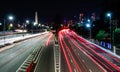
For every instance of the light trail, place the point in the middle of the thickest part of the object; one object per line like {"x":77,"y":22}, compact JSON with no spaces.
{"x":109,"y":55}
{"x":66,"y":58}
{"x":95,"y":47}
{"x":72,"y":57}
{"x":110,"y":63}
{"x":86,"y":53}
{"x":48,"y":41}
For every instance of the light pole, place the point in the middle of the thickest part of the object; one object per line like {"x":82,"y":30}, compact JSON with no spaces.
{"x":39,"y":27}
{"x":88,"y":25}
{"x":35,"y":26}
{"x":109,"y":16}
{"x":10,"y":18}
{"x":4,"y":26}
{"x":27,"y":23}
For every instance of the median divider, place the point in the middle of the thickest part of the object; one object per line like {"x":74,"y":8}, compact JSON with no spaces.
{"x":57,"y":56}
{"x":29,"y":64}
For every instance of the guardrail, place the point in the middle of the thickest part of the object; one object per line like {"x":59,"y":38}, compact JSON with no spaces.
{"x":18,"y":39}
{"x":30,"y":62}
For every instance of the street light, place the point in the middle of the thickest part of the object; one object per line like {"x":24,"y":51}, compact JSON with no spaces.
{"x":4,"y":27}
{"x":109,"y":16}
{"x":11,"y":25}
{"x":0,"y":24}
{"x":10,"y":18}
{"x":88,"y":20}
{"x":35,"y":23}
{"x":39,"y":24}
{"x":88,"y":25}
{"x":27,"y":21}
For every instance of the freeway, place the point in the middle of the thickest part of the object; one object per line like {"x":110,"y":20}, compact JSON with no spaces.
{"x":13,"y":57}
{"x":46,"y":59}
{"x":82,"y":56}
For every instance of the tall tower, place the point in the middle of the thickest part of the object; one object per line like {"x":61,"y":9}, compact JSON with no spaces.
{"x":36,"y":18}
{"x":81,"y":17}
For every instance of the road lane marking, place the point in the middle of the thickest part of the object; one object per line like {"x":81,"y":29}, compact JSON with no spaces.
{"x":68,"y":54}
{"x":71,"y":61}
{"x":74,"y":70}
{"x":83,"y":60}
{"x":90,"y":70}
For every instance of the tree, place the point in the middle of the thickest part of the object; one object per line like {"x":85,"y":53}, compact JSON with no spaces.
{"x":57,"y":23}
{"x":102,"y":35}
{"x":117,"y":37}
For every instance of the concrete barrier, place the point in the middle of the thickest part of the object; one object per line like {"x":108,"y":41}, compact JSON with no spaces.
{"x":30,"y":62}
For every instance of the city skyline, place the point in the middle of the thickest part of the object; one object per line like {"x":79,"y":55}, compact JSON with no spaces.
{"x":48,"y":9}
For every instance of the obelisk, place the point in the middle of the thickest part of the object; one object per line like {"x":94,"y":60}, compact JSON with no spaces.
{"x":36,"y":17}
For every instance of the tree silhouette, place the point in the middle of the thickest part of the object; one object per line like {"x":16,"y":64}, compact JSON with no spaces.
{"x":57,"y":23}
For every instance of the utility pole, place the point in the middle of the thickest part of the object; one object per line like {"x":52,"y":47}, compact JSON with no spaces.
{"x":114,"y":23}
{"x":4,"y":28}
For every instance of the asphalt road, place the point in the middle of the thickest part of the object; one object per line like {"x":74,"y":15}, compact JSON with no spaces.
{"x":77,"y":60}
{"x":82,"y":56}
{"x":12,"y":58}
{"x":77,"y":55}
{"x":46,"y":59}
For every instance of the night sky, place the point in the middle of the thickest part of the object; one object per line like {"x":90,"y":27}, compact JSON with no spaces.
{"x":47,"y":9}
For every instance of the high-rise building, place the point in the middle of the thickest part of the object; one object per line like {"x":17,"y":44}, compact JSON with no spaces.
{"x":93,"y":17}
{"x":81,"y":17}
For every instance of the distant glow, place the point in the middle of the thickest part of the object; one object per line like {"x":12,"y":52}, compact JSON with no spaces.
{"x":11,"y":25}
{"x":51,"y":27}
{"x":43,"y":25}
{"x":27,"y":21}
{"x":35,"y":23}
{"x":78,"y":23}
{"x":81,"y":21}
{"x":25,"y":25}
{"x":10,"y":17}
{"x":93,"y":25}
{"x":104,"y":44}
{"x":65,"y":21}
{"x":88,"y":20}
{"x":61,"y":25}
{"x":19,"y":25}
{"x":108,"y":44}
{"x":0,"y":23}
{"x":39,"y":24}
{"x":109,"y":14}
{"x":101,"y":43}
{"x":88,"y":25}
